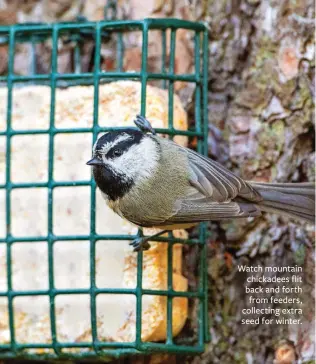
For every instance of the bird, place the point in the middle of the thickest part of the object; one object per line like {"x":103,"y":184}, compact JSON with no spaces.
{"x":153,"y":182}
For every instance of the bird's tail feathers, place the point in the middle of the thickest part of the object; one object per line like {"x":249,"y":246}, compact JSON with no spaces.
{"x":296,"y":200}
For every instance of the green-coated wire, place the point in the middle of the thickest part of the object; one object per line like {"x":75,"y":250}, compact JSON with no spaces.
{"x":37,"y":33}
{"x":163,"y":56}
{"x":139,"y":278}
{"x":50,"y":191}
{"x":170,"y":125}
{"x":113,"y":76}
{"x":150,"y":23}
{"x":8,"y":190}
{"x":120,"y":52}
{"x":93,"y":193}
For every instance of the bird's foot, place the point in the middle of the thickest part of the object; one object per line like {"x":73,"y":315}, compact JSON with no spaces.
{"x":144,"y":125}
{"x":140,"y":244}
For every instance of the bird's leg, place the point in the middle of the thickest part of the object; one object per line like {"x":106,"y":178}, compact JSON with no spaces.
{"x":141,"y":243}
{"x":144,"y":125}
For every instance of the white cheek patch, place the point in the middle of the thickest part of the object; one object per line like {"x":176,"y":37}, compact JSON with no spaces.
{"x":139,"y":161}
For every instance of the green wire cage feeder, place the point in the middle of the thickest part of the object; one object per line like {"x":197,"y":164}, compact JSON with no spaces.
{"x":98,"y":33}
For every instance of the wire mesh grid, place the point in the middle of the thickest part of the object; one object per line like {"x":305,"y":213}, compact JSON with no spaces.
{"x":11,"y":35}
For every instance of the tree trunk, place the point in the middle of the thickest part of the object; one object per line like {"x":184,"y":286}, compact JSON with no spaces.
{"x":261,"y":97}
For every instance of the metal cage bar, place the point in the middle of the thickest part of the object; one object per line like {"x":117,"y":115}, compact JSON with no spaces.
{"x":50,"y":241}
{"x":11,"y":35}
{"x":8,"y":190}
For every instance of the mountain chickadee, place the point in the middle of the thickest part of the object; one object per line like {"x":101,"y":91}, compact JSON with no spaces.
{"x":153,"y":182}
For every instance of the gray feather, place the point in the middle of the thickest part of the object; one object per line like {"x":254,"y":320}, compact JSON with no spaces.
{"x":222,"y":195}
{"x":221,"y":184}
{"x":291,"y":199}
{"x":214,"y":189}
{"x":206,"y":210}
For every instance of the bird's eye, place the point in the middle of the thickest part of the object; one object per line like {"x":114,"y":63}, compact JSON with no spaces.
{"x":117,"y":152}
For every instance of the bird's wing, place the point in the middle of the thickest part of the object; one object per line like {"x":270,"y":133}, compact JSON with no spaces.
{"x":203,"y":209}
{"x":216,"y":182}
{"x":215,"y":193}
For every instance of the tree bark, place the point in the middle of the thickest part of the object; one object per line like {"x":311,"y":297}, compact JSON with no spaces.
{"x":261,"y":98}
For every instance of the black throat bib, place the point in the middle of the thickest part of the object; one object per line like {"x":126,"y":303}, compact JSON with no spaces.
{"x":112,"y":184}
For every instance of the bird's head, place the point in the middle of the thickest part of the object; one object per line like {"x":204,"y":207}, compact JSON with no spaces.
{"x":120,"y":159}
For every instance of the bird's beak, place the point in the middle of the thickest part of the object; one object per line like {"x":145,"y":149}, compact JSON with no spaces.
{"x":94,"y":162}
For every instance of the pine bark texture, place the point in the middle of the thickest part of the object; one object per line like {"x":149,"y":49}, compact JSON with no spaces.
{"x":261,"y":112}
{"x":261,"y":97}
